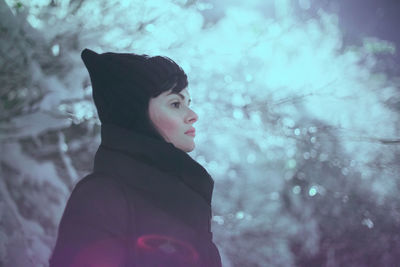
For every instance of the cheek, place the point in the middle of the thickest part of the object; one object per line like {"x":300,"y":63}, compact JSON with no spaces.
{"x":168,"y":124}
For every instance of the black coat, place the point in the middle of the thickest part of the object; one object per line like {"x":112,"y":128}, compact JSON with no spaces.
{"x":146,"y":203}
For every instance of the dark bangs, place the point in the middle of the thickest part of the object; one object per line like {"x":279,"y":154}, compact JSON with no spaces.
{"x":170,"y":75}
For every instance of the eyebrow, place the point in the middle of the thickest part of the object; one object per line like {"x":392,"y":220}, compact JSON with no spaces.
{"x":182,"y":96}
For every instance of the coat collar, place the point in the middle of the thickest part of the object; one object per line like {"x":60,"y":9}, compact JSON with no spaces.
{"x":160,"y":154}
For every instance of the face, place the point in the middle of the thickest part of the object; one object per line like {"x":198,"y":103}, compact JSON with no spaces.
{"x":171,"y":115}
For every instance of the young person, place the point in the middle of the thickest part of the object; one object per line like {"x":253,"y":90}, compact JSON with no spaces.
{"x":146,"y":202}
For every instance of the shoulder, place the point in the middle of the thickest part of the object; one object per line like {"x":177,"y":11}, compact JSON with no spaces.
{"x":98,"y":187}
{"x":98,"y":184}
{"x":94,"y":223}
{"x":96,"y":198}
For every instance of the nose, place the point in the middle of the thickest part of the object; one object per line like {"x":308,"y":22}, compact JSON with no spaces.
{"x":192,"y":117}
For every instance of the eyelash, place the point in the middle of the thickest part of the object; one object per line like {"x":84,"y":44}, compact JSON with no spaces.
{"x":176,"y":103}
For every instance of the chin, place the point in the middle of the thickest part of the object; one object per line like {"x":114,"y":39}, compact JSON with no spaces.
{"x":186,"y":148}
{"x":190,"y":149}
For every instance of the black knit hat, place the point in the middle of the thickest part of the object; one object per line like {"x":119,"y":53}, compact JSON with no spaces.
{"x":123,"y":84}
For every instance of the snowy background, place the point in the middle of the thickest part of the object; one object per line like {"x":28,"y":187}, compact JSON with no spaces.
{"x":299,"y":123}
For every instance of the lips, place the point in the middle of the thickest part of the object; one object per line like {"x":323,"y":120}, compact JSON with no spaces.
{"x":191,"y":131}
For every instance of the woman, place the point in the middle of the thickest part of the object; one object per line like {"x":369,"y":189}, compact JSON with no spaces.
{"x":147,"y":202}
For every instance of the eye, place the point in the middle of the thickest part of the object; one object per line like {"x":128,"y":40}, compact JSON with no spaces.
{"x":174,"y":104}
